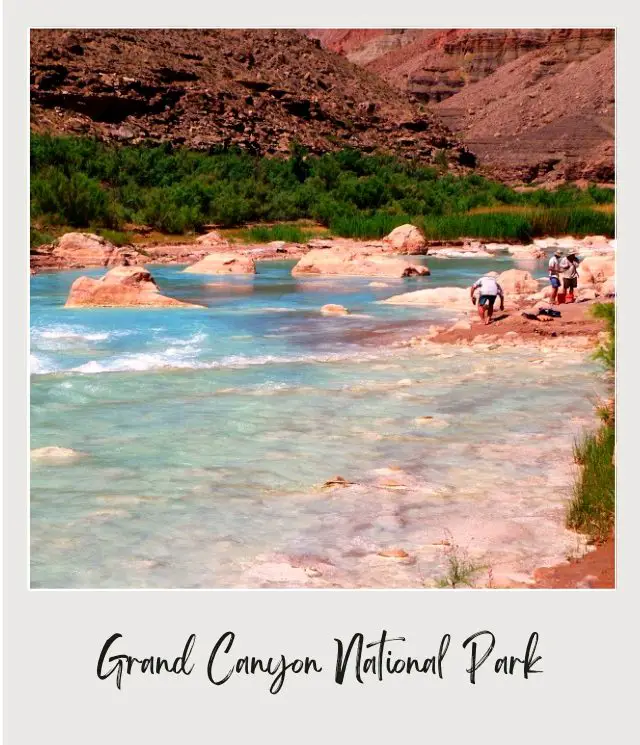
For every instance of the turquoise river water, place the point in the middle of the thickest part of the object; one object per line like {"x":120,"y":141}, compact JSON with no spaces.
{"x":205,"y":435}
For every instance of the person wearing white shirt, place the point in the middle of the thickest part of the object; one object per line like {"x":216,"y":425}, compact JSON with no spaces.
{"x":554,"y":276}
{"x":489,"y":291}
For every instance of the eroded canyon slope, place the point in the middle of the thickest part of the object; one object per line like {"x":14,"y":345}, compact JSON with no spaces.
{"x":533,"y":104}
{"x":257,"y":89}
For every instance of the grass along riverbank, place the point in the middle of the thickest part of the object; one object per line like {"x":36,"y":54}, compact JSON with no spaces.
{"x":82,"y":183}
{"x":592,"y":509}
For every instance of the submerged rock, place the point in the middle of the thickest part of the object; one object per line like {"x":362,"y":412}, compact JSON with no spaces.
{"x":55,"y":453}
{"x":223,"y":263}
{"x":453,"y":253}
{"x":336,"y":481}
{"x":334,"y":310}
{"x":349,"y":262}
{"x":393,"y":553}
{"x":431,"y":422}
{"x":123,"y":286}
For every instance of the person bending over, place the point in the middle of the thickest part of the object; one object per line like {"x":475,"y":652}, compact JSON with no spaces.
{"x":489,"y":291}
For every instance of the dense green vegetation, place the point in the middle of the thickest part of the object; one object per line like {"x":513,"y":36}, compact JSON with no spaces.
{"x":606,"y":353}
{"x":80,"y":182}
{"x":287,"y":233}
{"x":592,"y":509}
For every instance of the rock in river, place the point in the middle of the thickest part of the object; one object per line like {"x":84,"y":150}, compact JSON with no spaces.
{"x":223,"y":263}
{"x":406,"y":238}
{"x":55,"y":454}
{"x":447,"y":297}
{"x":348,"y":262}
{"x":334,"y":310}
{"x":121,"y":287}
{"x":80,"y":250}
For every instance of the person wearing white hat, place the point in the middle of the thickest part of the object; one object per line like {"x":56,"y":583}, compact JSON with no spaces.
{"x":554,"y":275}
{"x":489,"y":290}
{"x":569,"y":271}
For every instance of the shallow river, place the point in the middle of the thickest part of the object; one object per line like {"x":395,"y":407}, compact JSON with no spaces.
{"x":206,"y":434}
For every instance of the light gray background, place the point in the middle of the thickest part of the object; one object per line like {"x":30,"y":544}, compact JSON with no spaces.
{"x":53,"y":638}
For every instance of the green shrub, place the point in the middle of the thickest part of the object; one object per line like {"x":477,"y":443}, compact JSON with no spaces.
{"x":366,"y":226}
{"x":117,"y":237}
{"x":268,"y":233}
{"x":606,"y":352}
{"x":78,"y":181}
{"x":75,"y":200}
{"x":592,"y":509}
{"x":37,"y":238}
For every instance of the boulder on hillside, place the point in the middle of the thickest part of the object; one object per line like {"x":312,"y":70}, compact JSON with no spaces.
{"x":84,"y":250}
{"x":223,"y":263}
{"x":406,"y":238}
{"x":517,"y":282}
{"x":457,"y":298}
{"x":595,"y":270}
{"x":347,"y":262}
{"x":122,"y":286}
{"x":212,"y":238}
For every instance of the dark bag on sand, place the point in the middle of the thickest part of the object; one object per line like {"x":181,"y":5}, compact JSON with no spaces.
{"x":550,"y":312}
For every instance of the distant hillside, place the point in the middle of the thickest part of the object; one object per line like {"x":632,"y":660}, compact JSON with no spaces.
{"x":541,"y":117}
{"x":260,"y":90}
{"x":532,"y":104}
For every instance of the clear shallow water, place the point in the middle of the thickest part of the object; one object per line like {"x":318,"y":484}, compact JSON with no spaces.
{"x":205,"y":435}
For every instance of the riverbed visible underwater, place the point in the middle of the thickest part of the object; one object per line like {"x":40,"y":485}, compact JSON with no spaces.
{"x":204,"y":437}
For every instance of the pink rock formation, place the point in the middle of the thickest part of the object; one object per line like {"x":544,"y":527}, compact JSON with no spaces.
{"x":608,"y":288}
{"x":526,"y":252}
{"x":406,"y":238}
{"x":212,"y":238}
{"x":517,"y":282}
{"x":447,"y":297}
{"x":333,"y":310}
{"x":121,"y":287}
{"x":83,"y":250}
{"x":344,"y":261}
{"x":595,"y":270}
{"x":223,"y":263}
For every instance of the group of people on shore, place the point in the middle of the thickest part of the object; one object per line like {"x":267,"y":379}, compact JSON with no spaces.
{"x":563,"y":268}
{"x":563,"y":275}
